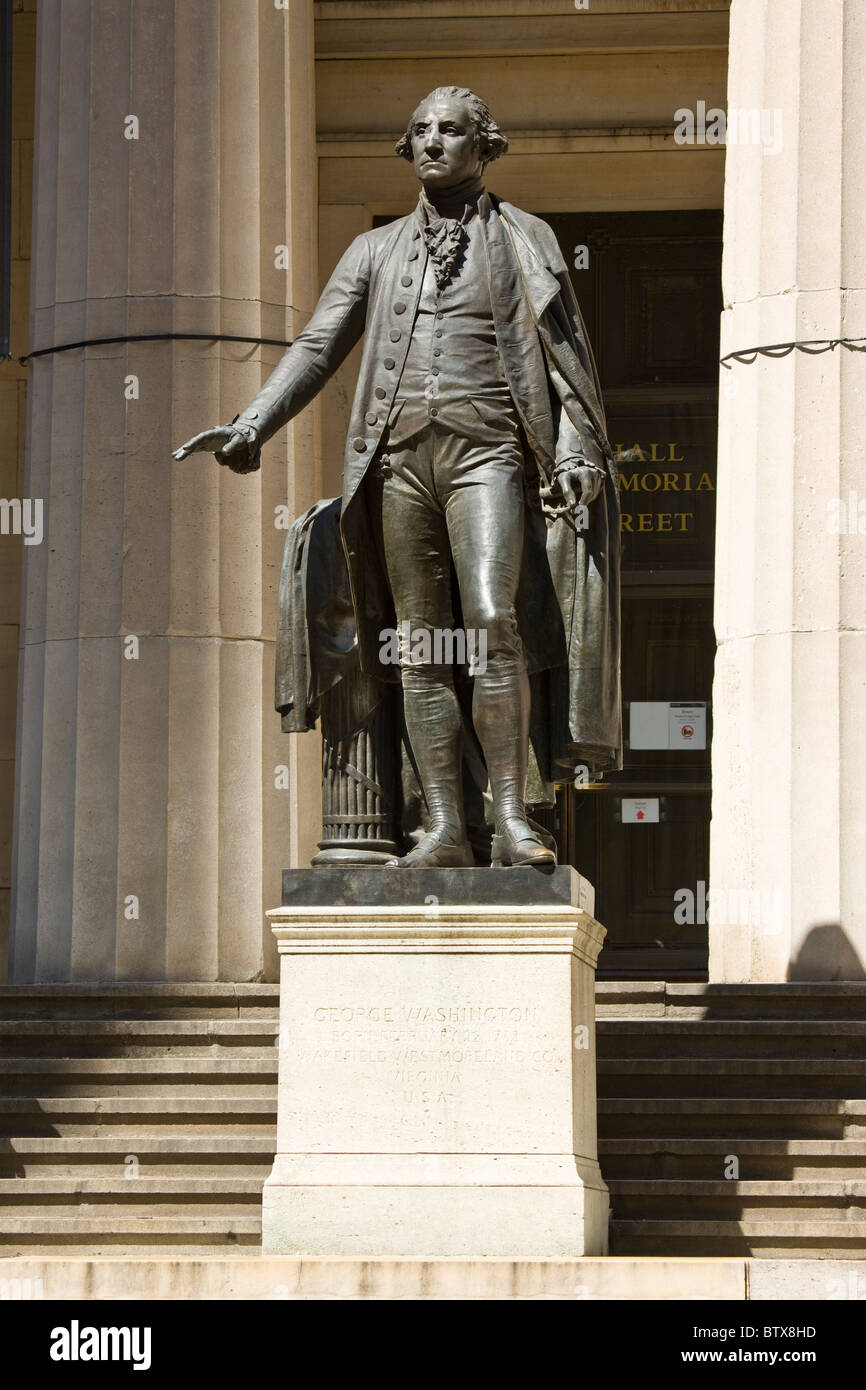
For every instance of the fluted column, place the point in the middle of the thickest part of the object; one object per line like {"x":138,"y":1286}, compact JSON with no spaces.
{"x":788,"y":835}
{"x":150,"y":831}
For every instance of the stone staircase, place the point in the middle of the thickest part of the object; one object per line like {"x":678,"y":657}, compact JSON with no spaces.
{"x":136,"y":1120}
{"x":140,"y":1119}
{"x":732,"y":1119}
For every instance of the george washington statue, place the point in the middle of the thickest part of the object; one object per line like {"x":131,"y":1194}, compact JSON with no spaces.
{"x":479,"y":487}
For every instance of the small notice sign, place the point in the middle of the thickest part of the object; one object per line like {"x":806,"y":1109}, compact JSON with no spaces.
{"x":638,"y":812}
{"x":663,"y":724}
{"x":687,"y":726}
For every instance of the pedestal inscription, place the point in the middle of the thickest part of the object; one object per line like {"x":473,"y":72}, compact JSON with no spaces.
{"x":437,"y":1080}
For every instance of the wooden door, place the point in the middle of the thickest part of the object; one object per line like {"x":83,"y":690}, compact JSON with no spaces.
{"x":649,"y":288}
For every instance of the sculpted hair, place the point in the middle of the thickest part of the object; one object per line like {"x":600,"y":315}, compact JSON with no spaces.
{"x":493,"y":142}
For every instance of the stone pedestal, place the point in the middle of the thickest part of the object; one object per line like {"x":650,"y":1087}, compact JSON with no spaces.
{"x":437,"y":1065}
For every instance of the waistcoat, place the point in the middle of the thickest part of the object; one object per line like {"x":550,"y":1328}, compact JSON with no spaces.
{"x":453,"y":374}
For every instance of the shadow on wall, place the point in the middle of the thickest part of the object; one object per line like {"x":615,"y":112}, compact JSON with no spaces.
{"x":827,"y":954}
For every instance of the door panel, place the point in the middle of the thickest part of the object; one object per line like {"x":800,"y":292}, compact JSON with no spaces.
{"x":650,"y":294}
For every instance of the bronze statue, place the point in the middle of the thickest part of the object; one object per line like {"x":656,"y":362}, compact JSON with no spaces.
{"x":480,"y":493}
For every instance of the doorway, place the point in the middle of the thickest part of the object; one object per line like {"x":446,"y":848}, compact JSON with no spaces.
{"x":649,"y":286}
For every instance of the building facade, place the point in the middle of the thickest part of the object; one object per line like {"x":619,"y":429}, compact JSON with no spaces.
{"x":195,"y":169}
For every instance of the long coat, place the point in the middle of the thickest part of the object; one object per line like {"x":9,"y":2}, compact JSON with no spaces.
{"x":568,"y":600}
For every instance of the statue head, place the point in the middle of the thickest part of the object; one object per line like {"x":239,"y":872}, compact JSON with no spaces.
{"x":450,"y":137}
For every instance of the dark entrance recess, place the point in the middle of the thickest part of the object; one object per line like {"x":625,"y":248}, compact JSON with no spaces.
{"x":651,"y":297}
{"x":5,"y":172}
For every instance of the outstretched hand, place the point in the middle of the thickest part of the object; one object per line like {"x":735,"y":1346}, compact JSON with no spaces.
{"x":228,"y":445}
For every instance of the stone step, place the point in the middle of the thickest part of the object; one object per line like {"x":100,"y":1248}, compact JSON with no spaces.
{"x":794,"y":1000}
{"x":133,"y":1189}
{"x":139,"y":1001}
{"x":232,"y":1037}
{"x":760,"y":1159}
{"x":131,"y":1237}
{"x":778,"y":1037}
{"x":49,"y":1116}
{"x":141,"y":1066}
{"x":801,"y":1077}
{"x":147,"y":1144}
{"x":669,"y":1117}
{"x":653,"y":1199}
{"x":768,"y":1239}
{"x":28,"y":1199}
{"x":163,"y":1249}
{"x":177,"y":1157}
{"x":175,"y":1167}
{"x":101,"y":1076}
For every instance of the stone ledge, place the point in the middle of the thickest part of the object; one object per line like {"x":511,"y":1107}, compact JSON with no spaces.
{"x":282,"y":1277}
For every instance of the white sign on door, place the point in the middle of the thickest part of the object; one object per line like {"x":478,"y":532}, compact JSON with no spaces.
{"x":664,"y":724}
{"x":637,"y":811}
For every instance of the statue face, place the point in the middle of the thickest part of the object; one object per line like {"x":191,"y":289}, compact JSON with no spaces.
{"x":444,"y":144}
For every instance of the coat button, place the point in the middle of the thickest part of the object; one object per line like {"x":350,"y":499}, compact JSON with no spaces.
{"x":413,"y":255}
{"x":433,"y":410}
{"x":399,"y":307}
{"x":434,"y":371}
{"x":380,"y":393}
{"x":406,"y":281}
{"x":389,"y":361}
{"x":371,"y":418}
{"x":395,"y":335}
{"x":438,"y":332}
{"x":359,"y":445}
{"x":437,"y":352}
